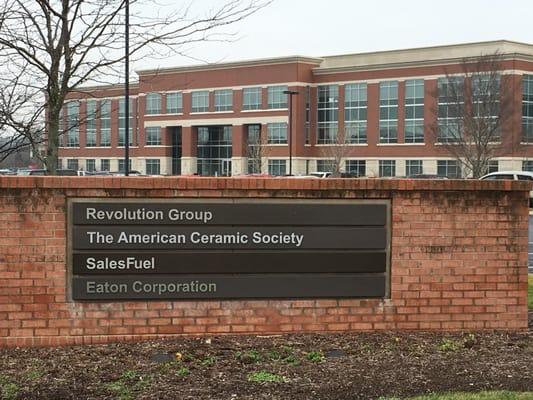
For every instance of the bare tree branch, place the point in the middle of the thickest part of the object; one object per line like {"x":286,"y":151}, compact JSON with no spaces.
{"x":49,"y":48}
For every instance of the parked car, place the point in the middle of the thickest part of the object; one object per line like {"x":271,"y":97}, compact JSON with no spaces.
{"x":42,"y":172}
{"x":321,"y":174}
{"x":426,"y":176}
{"x":513,"y":175}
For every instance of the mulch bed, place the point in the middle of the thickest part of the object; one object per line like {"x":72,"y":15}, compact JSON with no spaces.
{"x":306,"y":366}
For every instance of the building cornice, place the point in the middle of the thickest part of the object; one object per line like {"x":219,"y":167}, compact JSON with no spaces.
{"x":229,"y":65}
{"x":423,"y":57}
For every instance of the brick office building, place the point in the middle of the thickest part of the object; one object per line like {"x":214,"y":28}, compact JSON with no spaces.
{"x":204,"y":119}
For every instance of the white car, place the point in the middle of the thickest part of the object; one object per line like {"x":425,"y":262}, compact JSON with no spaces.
{"x":513,"y":175}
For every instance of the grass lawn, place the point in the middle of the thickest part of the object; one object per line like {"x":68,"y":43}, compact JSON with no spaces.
{"x":479,"y":396}
{"x":530,"y":291}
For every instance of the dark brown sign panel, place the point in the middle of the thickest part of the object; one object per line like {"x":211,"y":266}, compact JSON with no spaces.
{"x":205,"y":249}
{"x":229,"y":287}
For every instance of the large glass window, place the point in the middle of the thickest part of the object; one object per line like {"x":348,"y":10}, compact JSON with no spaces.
{"x":414,"y":111}
{"x":355,"y":167}
{"x":413,"y":167}
{"x":153,"y":103}
{"x":277,"y":167}
{"x":214,"y":150}
{"x":448,"y":168}
{"x":122,"y":122}
{"x":494,"y":166}
{"x":122,"y":164}
{"x":486,"y":105}
{"x":174,"y":103}
{"x":276,"y":97}
{"x":387,"y":168}
{"x":388,"y":112}
{"x":451,"y":108}
{"x":91,"y":123}
{"x":153,"y":166}
{"x":527,"y":165}
{"x":200,"y":101}
{"x":355,"y":112}
{"x":527,"y":108}
{"x":223,"y":100}
{"x":72,"y":163}
{"x":105,"y":123}
{"x":277,"y":133}
{"x":153,"y":135}
{"x":90,"y":165}
{"x":251,"y":98}
{"x":255,"y":149}
{"x":73,"y":124}
{"x":328,"y":114}
{"x":325,"y":165}
{"x":105,"y":164}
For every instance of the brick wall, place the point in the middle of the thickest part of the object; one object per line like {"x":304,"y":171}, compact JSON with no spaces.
{"x":458,"y":262}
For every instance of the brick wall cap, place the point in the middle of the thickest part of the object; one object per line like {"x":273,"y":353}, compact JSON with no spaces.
{"x":268,"y":183}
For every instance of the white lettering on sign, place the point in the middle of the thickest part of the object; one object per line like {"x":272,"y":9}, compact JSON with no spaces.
{"x":182,"y":215}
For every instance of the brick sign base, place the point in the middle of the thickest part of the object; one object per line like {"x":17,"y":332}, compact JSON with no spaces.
{"x":458,"y":261}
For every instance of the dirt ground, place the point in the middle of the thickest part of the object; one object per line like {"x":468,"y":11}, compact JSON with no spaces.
{"x":307,"y":366}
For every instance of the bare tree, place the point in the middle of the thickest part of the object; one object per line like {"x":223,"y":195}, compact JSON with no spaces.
{"x":336,"y":154}
{"x":50,"y":48}
{"x":472,"y":108}
{"x":257,"y":151}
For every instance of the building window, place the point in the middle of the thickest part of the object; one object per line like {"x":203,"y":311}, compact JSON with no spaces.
{"x":494,"y":166}
{"x":214,"y":150}
{"x":277,"y":133}
{"x":276,"y":97}
{"x":174,"y":103}
{"x":122,"y":164}
{"x":105,"y":123}
{"x":122,"y":123}
{"x":355,"y":167}
{"x":72,"y":163}
{"x":307,"y":115}
{"x":153,"y":136}
{"x":277,"y":167}
{"x":451,"y":107}
{"x":486,"y":105}
{"x":413,"y":167}
{"x":90,"y":165}
{"x":388,"y":112}
{"x":355,"y":112}
{"x":414,"y":111}
{"x":527,"y":165}
{"x":527,"y":108}
{"x":153,"y":167}
{"x":251,"y":98}
{"x":91,"y":123}
{"x":104,"y":164}
{"x":325,"y":165}
{"x":224,"y":100}
{"x":387,"y":168}
{"x":328,"y":114}
{"x":73,"y":124}
{"x":200,"y":101}
{"x":255,"y":149}
{"x":448,"y":168}
{"x":153,"y":103}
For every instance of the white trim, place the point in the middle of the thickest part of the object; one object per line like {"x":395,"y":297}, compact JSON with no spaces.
{"x":219,"y":121}
{"x":235,"y":88}
{"x":400,"y":144}
{"x":156,"y":146}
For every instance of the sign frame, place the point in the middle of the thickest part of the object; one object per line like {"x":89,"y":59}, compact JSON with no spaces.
{"x":224,"y":200}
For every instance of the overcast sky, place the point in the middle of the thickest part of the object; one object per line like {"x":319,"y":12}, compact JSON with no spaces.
{"x":328,"y":27}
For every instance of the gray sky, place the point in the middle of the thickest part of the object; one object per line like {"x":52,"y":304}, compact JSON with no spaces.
{"x":327,"y":27}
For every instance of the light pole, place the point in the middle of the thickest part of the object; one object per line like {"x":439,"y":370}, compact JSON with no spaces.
{"x":290,"y":93}
{"x":127,"y":93}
